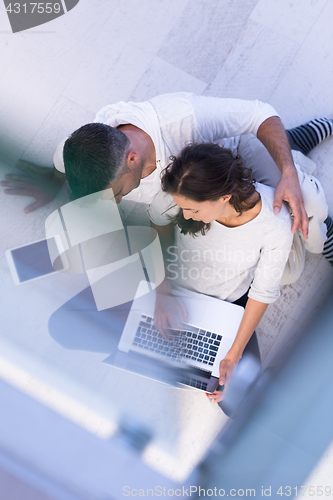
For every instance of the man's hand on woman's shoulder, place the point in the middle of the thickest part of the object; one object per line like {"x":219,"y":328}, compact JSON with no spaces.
{"x":288,"y":189}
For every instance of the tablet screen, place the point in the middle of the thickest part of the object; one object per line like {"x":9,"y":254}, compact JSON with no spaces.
{"x":33,"y":261}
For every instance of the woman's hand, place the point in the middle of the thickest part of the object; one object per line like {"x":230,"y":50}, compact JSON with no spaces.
{"x":253,"y":313}
{"x":227,"y":366}
{"x":169,"y":311}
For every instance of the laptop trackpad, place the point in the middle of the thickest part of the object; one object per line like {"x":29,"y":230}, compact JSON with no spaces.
{"x":195,"y":310}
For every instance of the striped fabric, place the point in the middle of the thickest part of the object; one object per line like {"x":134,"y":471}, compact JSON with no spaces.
{"x":328,"y":246}
{"x":307,"y":136}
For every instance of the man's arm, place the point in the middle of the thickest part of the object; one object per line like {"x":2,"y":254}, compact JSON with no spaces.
{"x":219,"y":118}
{"x":41,"y":183}
{"x":273,"y":136}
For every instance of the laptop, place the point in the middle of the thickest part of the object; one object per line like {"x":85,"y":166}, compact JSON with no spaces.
{"x":193,"y":351}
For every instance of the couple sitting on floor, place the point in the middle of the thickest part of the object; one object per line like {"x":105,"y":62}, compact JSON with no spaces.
{"x":129,"y":146}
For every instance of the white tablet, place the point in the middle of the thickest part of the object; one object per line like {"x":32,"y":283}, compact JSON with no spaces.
{"x":32,"y":261}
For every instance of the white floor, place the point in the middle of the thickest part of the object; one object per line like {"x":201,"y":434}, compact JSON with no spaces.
{"x":55,"y":77}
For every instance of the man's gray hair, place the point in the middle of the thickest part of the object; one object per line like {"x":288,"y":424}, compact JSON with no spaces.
{"x":94,"y":156}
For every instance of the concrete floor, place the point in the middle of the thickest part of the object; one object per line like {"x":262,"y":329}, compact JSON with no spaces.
{"x":55,"y":77}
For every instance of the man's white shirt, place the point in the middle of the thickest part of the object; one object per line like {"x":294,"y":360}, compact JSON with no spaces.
{"x":175,"y":120}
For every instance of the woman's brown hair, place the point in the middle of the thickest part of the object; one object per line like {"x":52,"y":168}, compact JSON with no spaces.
{"x":206,"y":172}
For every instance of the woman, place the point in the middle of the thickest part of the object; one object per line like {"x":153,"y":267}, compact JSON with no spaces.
{"x":229,"y":243}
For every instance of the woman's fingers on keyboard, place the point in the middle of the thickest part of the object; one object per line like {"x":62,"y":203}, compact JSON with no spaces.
{"x":168,"y":313}
{"x":162,"y":324}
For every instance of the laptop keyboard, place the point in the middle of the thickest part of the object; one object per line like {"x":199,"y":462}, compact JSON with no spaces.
{"x":193,"y":382}
{"x":195,"y":344}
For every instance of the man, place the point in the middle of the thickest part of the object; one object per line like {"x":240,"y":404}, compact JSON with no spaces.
{"x":162,"y":126}
{"x":130,"y":143}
